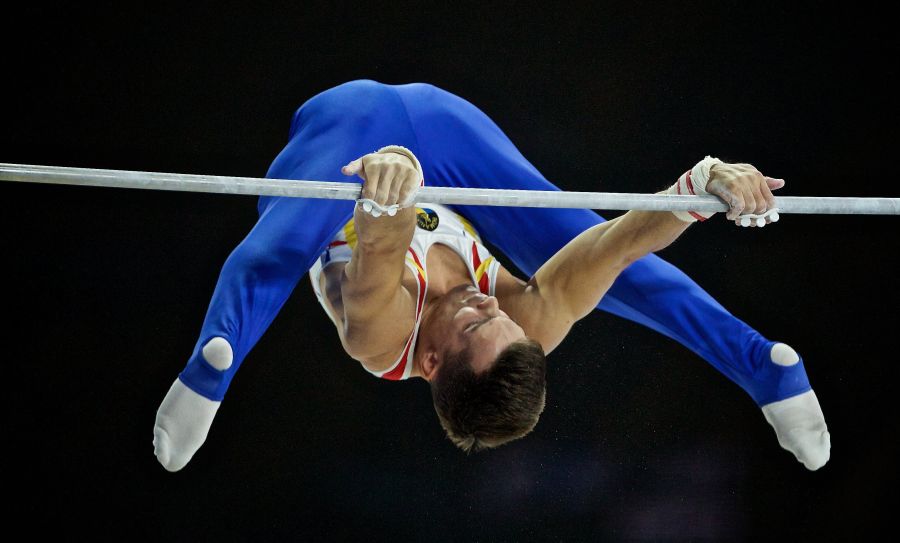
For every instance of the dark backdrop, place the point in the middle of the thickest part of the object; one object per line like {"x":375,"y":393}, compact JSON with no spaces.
{"x":106,"y":288}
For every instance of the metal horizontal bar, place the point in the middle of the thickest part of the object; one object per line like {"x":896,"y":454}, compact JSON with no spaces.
{"x":439,"y":195}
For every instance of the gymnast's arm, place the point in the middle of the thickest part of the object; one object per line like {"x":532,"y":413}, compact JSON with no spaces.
{"x":571,"y":283}
{"x":378,"y":311}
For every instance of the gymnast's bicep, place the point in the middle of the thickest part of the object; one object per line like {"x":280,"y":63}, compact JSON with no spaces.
{"x":540,"y":319}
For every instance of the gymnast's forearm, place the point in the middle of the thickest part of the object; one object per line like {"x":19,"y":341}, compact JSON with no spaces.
{"x":650,"y":231}
{"x":384,"y":234}
{"x":575,"y":279}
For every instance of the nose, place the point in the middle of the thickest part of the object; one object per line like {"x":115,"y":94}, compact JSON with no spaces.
{"x":489,"y":302}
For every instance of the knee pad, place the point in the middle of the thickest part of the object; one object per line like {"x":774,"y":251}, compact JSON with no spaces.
{"x":780,"y":375}
{"x":218,"y":353}
{"x":783,"y":355}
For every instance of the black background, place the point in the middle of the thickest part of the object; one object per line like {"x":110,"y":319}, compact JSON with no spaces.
{"x":106,"y":288}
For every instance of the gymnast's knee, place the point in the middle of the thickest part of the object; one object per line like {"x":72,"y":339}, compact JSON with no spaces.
{"x":218,"y":353}
{"x":784,"y":355}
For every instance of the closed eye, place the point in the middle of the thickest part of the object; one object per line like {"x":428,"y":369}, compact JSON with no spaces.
{"x":476,"y":324}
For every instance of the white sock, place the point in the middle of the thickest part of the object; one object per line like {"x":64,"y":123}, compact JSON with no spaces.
{"x":184,"y":417}
{"x":798,"y":421}
{"x":182,"y":423}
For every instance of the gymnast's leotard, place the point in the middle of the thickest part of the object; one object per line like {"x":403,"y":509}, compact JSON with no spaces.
{"x":434,"y":224}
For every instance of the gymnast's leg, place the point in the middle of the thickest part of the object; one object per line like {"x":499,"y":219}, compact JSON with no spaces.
{"x":460,"y":146}
{"x":327,"y":131}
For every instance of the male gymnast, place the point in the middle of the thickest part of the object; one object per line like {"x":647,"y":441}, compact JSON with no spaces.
{"x":414,"y":293}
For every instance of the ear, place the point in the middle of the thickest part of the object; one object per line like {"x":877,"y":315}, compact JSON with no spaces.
{"x":430,"y":364}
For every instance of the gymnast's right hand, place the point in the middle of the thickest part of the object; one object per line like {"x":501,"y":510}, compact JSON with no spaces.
{"x":392,"y":176}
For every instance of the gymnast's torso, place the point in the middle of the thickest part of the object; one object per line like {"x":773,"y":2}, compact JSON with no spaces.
{"x":444,"y":246}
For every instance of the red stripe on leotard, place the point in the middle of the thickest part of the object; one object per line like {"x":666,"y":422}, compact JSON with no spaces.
{"x":483,"y":283}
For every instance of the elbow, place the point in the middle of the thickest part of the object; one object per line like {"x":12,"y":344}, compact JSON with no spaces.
{"x":353,"y":345}
{"x":630,"y":259}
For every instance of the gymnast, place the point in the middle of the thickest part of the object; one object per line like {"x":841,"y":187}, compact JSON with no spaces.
{"x":413,"y":292}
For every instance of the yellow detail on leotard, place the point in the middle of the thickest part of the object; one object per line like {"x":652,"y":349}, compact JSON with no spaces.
{"x":468,"y":226}
{"x":482,"y":268}
{"x":416,"y":264}
{"x":350,"y":234}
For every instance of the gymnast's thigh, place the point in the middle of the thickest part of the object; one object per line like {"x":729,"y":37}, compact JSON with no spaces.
{"x":462,"y":147}
{"x":329,"y":130}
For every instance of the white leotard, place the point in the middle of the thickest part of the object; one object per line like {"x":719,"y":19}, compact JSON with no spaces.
{"x":435,"y":223}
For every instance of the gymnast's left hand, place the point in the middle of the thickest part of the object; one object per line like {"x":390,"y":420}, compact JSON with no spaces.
{"x":744,"y":189}
{"x":389,"y":178}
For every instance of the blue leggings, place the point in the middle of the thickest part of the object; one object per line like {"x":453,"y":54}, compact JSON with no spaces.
{"x":458,"y":146}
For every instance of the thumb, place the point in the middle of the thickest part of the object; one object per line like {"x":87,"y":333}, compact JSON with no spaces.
{"x":774,"y":183}
{"x":352,"y":167}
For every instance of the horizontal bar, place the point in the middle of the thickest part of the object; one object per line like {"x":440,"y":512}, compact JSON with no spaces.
{"x":439,"y":195}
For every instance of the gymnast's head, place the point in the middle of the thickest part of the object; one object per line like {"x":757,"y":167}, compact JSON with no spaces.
{"x":487,"y":377}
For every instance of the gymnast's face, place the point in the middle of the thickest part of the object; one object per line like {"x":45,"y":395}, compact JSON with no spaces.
{"x":464,"y":316}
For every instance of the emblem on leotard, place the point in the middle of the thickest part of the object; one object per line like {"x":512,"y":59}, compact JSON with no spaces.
{"x":427,"y":219}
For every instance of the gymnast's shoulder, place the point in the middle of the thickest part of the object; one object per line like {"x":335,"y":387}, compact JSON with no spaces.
{"x":525,"y":303}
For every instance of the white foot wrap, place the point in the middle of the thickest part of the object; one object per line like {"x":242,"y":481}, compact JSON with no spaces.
{"x":182,"y":423}
{"x":800,"y":426}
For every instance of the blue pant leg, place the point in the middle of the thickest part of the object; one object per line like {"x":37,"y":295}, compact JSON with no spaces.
{"x":327,"y":131}
{"x":462,"y":147}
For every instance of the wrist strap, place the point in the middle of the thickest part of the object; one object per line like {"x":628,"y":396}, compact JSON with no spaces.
{"x":693,"y":182}
{"x":404,"y":151}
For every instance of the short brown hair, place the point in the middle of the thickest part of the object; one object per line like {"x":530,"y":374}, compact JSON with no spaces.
{"x":485,"y":410}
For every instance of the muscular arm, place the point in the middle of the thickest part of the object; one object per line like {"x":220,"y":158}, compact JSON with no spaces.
{"x":581,"y":272}
{"x":375,"y":303}
{"x":378,"y":311}
{"x":571,"y":283}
